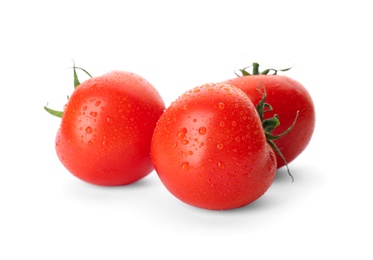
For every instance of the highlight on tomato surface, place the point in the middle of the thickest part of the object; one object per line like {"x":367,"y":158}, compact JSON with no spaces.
{"x":212,"y":147}
{"x":288,"y":98}
{"x":106,"y":128}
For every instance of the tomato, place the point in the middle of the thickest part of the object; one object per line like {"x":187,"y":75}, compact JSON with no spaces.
{"x":210,"y":150}
{"x":287,"y":98}
{"x":106,"y":129}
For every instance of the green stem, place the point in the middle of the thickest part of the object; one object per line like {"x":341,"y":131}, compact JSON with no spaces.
{"x":256,"y":69}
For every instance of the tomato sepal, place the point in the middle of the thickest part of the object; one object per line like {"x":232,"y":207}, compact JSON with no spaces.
{"x":270,"y":124}
{"x":76,"y":79}
{"x":53,"y":112}
{"x":255,"y":70}
{"x":58,"y":113}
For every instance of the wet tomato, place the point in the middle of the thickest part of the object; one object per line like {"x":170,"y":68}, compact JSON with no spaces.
{"x":288,"y":98}
{"x":209,"y":149}
{"x":106,"y":129}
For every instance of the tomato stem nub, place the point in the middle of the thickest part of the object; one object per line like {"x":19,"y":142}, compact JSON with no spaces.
{"x":256,"y":68}
{"x":270,"y":124}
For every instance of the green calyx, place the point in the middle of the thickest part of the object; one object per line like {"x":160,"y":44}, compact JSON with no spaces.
{"x":255,"y":71}
{"x":270,"y":124}
{"x":58,"y":113}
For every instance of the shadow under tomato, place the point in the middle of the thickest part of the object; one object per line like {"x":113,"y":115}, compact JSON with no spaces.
{"x":302,"y":174}
{"x":79,"y":189}
{"x":284,"y":190}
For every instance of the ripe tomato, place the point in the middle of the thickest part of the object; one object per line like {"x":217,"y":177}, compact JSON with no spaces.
{"x":287,"y":97}
{"x":210,"y":150}
{"x":106,"y":129}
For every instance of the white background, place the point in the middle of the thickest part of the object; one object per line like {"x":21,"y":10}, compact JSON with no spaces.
{"x":46,"y":213}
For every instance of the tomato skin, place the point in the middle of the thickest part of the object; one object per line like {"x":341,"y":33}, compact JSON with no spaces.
{"x":105,"y":132}
{"x":286,"y":96}
{"x":210,"y":151}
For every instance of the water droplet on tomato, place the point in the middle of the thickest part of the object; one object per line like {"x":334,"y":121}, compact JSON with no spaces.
{"x":90,"y":143}
{"x":108,"y":119}
{"x":181,"y":133}
{"x":97,"y":103}
{"x":202,"y":130}
{"x":84,"y":108}
{"x":89,"y":130}
{"x":221,"y":165}
{"x":185,"y":107}
{"x":185,"y":165}
{"x":220,"y":146}
{"x":94,"y":114}
{"x":221,"y":105}
{"x":222,"y":124}
{"x":190,"y":153}
{"x":185,"y":142}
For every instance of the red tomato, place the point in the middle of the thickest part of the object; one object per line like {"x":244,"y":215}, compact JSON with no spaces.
{"x":106,"y":129}
{"x":210,"y":150}
{"x":287,"y":97}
